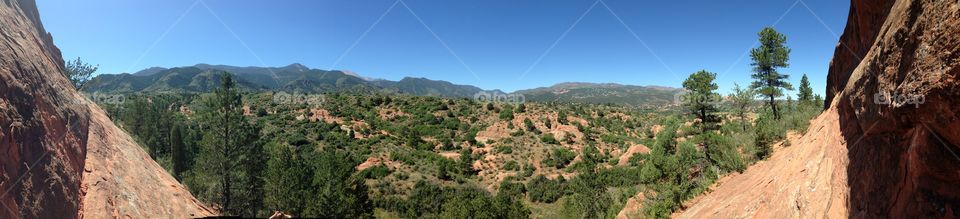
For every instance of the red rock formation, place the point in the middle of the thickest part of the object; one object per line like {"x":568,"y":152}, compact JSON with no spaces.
{"x":903,"y":155}
{"x":50,"y":134}
{"x":868,"y":156}
{"x":861,"y":31}
{"x":43,"y":130}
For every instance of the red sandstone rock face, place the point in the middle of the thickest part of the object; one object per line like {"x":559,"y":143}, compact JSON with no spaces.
{"x":866,"y":158}
{"x":903,"y":156}
{"x":120,"y":180}
{"x":43,"y":131}
{"x":861,"y":31}
{"x":60,"y":157}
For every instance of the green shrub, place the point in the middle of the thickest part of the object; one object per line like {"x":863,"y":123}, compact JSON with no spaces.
{"x":506,"y":113}
{"x":721,"y":152}
{"x":402,"y":157}
{"x":511,"y":165}
{"x":541,"y":189}
{"x":527,"y":170}
{"x":548,"y":139}
{"x":559,"y":158}
{"x":768,"y":131}
{"x":504,"y":149}
{"x":529,"y":126}
{"x":589,"y":199}
{"x":375,"y":172}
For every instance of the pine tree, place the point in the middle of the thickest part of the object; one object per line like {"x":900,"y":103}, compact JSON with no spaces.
{"x":229,"y":150}
{"x":288,"y":180}
{"x":339,"y":192}
{"x":701,"y":97}
{"x":178,"y":150}
{"x":742,"y":99}
{"x":767,"y":58}
{"x":79,"y":72}
{"x":817,"y":99}
{"x":805,"y":95}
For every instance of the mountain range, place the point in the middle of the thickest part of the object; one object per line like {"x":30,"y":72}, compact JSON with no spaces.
{"x":299,"y":78}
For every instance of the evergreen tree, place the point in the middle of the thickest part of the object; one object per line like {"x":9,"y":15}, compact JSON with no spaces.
{"x":339,"y":193}
{"x":178,"y":150}
{"x":288,"y":177}
{"x":767,"y":58}
{"x":817,"y":99}
{"x":229,"y":150}
{"x":805,"y":96}
{"x":702,"y":97}
{"x":742,"y":99}
{"x":590,"y":198}
{"x":79,"y":72}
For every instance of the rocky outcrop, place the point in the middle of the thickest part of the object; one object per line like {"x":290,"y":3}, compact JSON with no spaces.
{"x":858,"y":36}
{"x":120,"y":180}
{"x":887,"y":144}
{"x":60,"y":157}
{"x":43,"y":130}
{"x":806,"y":180}
{"x":900,"y":110}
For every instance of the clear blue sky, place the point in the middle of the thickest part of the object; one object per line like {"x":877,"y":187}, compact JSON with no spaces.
{"x":496,"y":40}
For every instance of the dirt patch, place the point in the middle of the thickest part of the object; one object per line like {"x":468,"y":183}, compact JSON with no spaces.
{"x":634,"y":149}
{"x":370,"y":162}
{"x":631,"y":209}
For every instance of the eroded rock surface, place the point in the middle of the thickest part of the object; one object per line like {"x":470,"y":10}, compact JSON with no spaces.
{"x":60,"y":156}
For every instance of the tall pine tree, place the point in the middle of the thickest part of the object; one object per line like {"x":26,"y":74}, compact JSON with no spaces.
{"x":288,"y":179}
{"x":702,"y":97}
{"x":230,"y":152}
{"x":805,"y":95}
{"x":767,"y":58}
{"x":179,"y":151}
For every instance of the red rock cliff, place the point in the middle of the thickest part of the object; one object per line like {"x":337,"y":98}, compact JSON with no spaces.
{"x":60,"y":157}
{"x":900,"y":109}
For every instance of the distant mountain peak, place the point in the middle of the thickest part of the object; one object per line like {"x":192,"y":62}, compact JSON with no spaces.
{"x":297,"y":67}
{"x":149,"y":71}
{"x":352,"y":73}
{"x":569,"y":85}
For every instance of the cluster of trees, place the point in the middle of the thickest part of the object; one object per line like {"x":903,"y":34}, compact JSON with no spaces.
{"x":219,"y":153}
{"x":428,"y":200}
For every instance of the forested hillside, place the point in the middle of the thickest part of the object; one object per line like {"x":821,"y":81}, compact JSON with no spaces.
{"x":386,"y":155}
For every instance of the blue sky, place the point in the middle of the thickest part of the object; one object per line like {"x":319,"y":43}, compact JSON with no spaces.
{"x":492,"y":44}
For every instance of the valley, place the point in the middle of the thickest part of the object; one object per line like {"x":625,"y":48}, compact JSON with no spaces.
{"x":762,"y":137}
